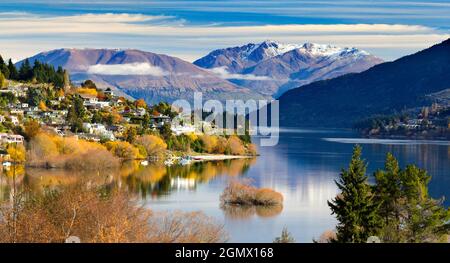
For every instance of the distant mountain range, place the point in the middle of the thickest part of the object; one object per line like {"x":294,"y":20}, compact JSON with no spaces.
{"x":410,"y":82}
{"x":140,"y":74}
{"x":272,"y":68}
{"x":255,"y":71}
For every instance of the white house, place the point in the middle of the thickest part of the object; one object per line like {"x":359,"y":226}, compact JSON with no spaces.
{"x":11,"y":138}
{"x":16,"y":111}
{"x":184,"y":129}
{"x":94,"y":128}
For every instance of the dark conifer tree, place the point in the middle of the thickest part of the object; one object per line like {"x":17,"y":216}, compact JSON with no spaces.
{"x":388,"y":193}
{"x":25,"y":71}
{"x":354,"y":207}
{"x":13,"y":74}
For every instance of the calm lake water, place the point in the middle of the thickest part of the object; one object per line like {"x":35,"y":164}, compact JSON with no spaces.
{"x":302,"y":167}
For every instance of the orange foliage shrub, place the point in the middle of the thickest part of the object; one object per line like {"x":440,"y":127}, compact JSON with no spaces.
{"x":327,"y":236}
{"x":244,"y":194}
{"x":185,"y":227}
{"x":252,"y":150}
{"x":209,"y":143}
{"x":266,"y":196}
{"x":97,"y":216}
{"x":140,"y":103}
{"x":152,"y":144}
{"x":78,"y":211}
{"x":93,"y":159}
{"x":235,"y":146}
{"x":123,"y":150}
{"x":48,"y":150}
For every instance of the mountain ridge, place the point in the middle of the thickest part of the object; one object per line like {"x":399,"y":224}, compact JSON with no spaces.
{"x":142,"y":74}
{"x":386,"y":88}
{"x":285,"y":65}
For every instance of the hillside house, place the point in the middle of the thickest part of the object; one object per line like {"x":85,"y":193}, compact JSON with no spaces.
{"x":11,"y":138}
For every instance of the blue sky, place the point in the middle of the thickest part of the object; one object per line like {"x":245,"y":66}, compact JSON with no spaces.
{"x":190,"y":29}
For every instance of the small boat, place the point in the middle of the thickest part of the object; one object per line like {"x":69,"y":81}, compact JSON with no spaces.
{"x":144,"y":163}
{"x":185,"y":160}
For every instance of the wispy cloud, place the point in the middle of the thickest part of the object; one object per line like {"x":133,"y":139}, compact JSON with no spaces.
{"x":222,"y":72}
{"x":127,"y":69}
{"x":173,"y":36}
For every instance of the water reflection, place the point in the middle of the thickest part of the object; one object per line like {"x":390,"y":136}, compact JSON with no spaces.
{"x":303,"y":167}
{"x":247,"y":212}
{"x":150,"y":181}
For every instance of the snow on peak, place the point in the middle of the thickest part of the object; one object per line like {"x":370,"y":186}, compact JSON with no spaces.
{"x":273,"y":48}
{"x":320,"y":50}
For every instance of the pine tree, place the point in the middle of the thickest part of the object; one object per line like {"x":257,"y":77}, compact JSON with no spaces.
{"x":12,"y":70}
{"x":25,"y":71}
{"x":424,"y":219}
{"x":388,"y":192}
{"x":354,"y":207}
{"x":285,"y":237}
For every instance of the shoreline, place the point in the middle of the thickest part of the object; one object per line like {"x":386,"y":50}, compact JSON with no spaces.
{"x":219,"y":157}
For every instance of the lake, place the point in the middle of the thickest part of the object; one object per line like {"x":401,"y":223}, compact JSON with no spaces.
{"x":303,"y":167}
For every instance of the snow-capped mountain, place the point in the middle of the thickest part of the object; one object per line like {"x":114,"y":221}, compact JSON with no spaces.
{"x":271,"y":68}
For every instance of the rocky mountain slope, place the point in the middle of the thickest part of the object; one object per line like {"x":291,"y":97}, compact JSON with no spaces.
{"x":272,"y":68}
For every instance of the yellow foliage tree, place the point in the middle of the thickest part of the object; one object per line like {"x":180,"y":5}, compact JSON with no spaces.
{"x":235,"y":146}
{"x":43,"y":145}
{"x":16,"y":153}
{"x":42,"y":106}
{"x":123,"y":150}
{"x":60,"y":93}
{"x":153,"y":145}
{"x":32,"y":128}
{"x":140,"y":103}
{"x":87,"y":91}
{"x":2,"y":81}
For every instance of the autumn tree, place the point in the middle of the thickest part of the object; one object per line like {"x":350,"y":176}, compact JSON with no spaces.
{"x":130,"y":134}
{"x":31,"y":128}
{"x":140,"y":103}
{"x":16,"y":152}
{"x":123,"y":150}
{"x":2,"y":81}
{"x":42,"y":106}
{"x":235,"y":146}
{"x":152,"y":144}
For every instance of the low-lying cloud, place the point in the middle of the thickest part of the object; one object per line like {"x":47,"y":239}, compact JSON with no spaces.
{"x":127,"y":69}
{"x":222,"y":72}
